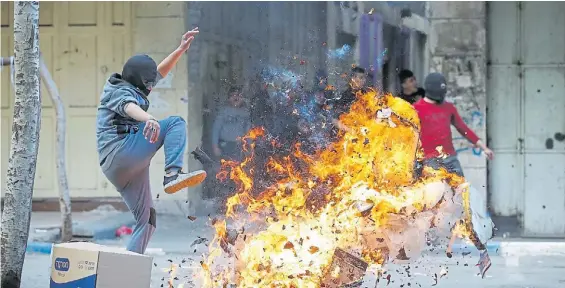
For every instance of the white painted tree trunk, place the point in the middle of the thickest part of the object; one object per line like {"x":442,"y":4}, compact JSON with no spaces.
{"x":24,"y":143}
{"x":64,"y":197}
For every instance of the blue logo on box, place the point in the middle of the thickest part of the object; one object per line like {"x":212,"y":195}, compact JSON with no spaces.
{"x":62,"y":264}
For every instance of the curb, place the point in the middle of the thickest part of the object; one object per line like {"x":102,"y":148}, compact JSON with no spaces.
{"x":493,"y":248}
{"x":39,"y":247}
{"x":46,"y":247}
{"x":105,"y":228}
{"x":519,"y":248}
{"x":515,"y":248}
{"x":505,"y":249}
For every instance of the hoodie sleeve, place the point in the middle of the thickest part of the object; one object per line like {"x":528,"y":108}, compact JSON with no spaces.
{"x":118,"y":101}
{"x":217,"y":127}
{"x":159,"y":78}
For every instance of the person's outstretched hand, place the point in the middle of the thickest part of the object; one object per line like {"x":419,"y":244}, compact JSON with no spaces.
{"x":489,"y":153}
{"x":151,"y":130}
{"x":187,"y":39}
{"x":486,"y":150}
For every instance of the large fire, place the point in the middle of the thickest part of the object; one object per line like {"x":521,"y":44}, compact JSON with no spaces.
{"x":289,"y":228}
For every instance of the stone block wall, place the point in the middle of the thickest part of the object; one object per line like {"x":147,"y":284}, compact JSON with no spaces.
{"x":157,"y":31}
{"x":458,"y":49}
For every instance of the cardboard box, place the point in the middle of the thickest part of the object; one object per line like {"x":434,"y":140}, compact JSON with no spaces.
{"x":89,"y":265}
{"x":349,"y":269}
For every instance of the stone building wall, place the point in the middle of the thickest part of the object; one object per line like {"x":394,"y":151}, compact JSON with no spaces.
{"x":458,"y":49}
{"x":157,"y":30}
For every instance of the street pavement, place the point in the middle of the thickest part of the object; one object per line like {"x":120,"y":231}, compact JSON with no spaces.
{"x":514,"y":272}
{"x":535,"y":264}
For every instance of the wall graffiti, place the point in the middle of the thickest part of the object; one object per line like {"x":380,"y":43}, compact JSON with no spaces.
{"x":347,"y":16}
{"x":461,"y":144}
{"x":475,"y":150}
{"x":347,"y":5}
{"x":476,"y":119}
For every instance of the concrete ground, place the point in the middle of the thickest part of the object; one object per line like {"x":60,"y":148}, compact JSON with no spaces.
{"x":537,"y":264}
{"x":520,"y":272}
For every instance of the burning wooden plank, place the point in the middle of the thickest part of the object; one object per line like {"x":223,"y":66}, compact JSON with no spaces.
{"x":344,"y":271}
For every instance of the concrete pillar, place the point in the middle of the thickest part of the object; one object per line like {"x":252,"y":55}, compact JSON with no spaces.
{"x":457,"y":44}
{"x":194,"y":101}
{"x":158,"y":28}
{"x":331,"y":37}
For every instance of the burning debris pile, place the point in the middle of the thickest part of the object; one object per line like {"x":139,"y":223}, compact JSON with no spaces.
{"x":358,"y":199}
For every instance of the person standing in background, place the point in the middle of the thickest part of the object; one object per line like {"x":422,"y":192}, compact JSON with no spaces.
{"x":436,"y":117}
{"x":233,"y":121}
{"x":410,"y":91}
{"x":340,"y":106}
{"x":357,"y":83}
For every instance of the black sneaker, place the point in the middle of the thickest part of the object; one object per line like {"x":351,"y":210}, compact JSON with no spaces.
{"x":202,"y":156}
{"x":182,"y":180}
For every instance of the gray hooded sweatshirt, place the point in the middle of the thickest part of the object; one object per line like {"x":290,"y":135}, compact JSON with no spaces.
{"x":138,"y":77}
{"x":116,"y":94}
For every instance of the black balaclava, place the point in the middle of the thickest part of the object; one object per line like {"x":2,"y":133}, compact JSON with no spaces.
{"x":141,"y":72}
{"x":436,"y":87}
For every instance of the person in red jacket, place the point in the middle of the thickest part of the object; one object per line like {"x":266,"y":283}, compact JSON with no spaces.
{"x":436,"y":117}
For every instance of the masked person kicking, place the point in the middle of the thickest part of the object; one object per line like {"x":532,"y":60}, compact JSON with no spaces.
{"x":436,"y":117}
{"x":128,"y":137}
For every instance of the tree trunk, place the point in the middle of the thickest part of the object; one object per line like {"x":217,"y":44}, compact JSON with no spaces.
{"x":64,"y":197}
{"x":24,"y":143}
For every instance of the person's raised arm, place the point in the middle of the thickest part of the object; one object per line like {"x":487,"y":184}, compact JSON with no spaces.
{"x":135,"y":112}
{"x":170,"y":61}
{"x":466,"y":132}
{"x":152,"y":128}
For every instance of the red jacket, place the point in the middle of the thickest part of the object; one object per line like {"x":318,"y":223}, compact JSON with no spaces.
{"x":436,"y":121}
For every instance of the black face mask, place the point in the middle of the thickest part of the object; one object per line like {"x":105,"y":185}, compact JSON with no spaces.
{"x":438,"y":96}
{"x":436,"y":87}
{"x":141,"y":72}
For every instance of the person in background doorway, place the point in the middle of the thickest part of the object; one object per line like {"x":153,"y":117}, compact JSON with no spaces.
{"x":357,"y":84}
{"x":340,"y":106}
{"x":233,"y":121}
{"x":410,"y":91}
{"x":436,"y":117}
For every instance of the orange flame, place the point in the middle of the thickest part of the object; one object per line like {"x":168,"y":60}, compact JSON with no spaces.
{"x":307,"y":211}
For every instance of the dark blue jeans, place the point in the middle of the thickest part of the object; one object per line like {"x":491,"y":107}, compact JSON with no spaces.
{"x":451,"y":164}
